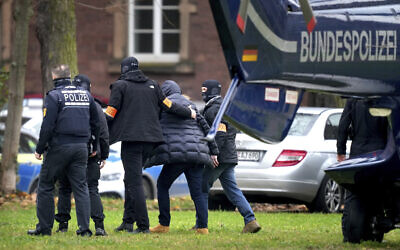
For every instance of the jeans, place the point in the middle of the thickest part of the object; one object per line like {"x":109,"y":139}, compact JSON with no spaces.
{"x":226,"y":175}
{"x":133,"y":156}
{"x":168,"y":175}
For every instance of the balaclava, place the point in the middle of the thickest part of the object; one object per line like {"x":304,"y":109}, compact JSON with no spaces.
{"x":210,"y":89}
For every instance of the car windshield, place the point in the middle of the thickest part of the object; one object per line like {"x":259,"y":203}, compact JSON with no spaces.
{"x":302,"y":124}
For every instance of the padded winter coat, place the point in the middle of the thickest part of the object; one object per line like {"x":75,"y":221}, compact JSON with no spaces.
{"x":183,"y":137}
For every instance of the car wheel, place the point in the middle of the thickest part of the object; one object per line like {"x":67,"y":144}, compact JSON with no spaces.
{"x":220,"y":202}
{"x":213,"y":204}
{"x":34,"y":187}
{"x":357,"y":223}
{"x":329,"y":199}
{"x":148,"y":191}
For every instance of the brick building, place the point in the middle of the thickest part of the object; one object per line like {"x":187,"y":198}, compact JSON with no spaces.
{"x":173,"y":39}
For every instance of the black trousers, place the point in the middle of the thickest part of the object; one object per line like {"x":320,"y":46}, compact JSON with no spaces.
{"x":70,"y":159}
{"x":64,"y":195}
{"x":133,"y":156}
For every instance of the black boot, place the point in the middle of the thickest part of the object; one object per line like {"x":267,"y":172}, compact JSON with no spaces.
{"x":125,"y":227}
{"x":37,"y":232}
{"x":141,"y":231}
{"x":99,"y":226}
{"x":84,"y":233}
{"x":62,"y":227}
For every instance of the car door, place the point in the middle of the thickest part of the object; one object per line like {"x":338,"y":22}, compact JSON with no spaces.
{"x":28,"y":166}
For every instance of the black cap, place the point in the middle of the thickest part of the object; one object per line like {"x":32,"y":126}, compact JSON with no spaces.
{"x":129,"y":64}
{"x":210,"y":89}
{"x":82,"y":81}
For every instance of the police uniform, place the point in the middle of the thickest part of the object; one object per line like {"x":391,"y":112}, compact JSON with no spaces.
{"x":70,"y":117}
{"x":133,"y":113}
{"x":92,"y":173}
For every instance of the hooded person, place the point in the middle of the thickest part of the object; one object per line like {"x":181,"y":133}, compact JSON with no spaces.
{"x":133,"y":113}
{"x":94,"y":164}
{"x":183,"y":151}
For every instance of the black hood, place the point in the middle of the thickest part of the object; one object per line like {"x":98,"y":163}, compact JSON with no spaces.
{"x":135,"y":76}
{"x":170,"y":87}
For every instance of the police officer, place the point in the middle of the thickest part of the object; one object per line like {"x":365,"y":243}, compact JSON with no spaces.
{"x":133,"y":113}
{"x":92,"y":174}
{"x":70,"y":116}
{"x":227,"y":158}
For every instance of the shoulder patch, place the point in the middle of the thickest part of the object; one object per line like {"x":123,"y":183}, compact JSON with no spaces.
{"x":222,"y":127}
{"x":167,"y":102}
{"x":151,"y":86}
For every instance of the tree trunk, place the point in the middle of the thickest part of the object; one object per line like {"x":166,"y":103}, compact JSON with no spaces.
{"x":56,"y":32}
{"x":22,"y":14}
{"x":1,"y":32}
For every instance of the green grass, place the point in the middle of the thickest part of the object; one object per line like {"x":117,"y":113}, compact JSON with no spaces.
{"x":279,"y":230}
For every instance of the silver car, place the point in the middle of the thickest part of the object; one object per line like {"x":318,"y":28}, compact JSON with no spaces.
{"x":291,"y":171}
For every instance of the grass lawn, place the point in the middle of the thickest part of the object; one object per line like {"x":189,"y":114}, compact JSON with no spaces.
{"x":279,"y":230}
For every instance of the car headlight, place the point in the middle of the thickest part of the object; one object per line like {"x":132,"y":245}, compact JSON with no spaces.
{"x":110,"y":177}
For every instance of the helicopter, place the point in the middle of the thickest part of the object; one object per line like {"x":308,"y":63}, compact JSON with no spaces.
{"x":276,"y":50}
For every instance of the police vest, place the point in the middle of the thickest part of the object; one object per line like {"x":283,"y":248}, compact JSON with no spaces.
{"x":73,"y":113}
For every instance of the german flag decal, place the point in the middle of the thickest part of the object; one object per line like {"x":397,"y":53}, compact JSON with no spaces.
{"x":111,"y":111}
{"x":250,"y":54}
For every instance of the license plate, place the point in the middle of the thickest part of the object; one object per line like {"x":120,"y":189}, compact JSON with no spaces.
{"x":249,"y":155}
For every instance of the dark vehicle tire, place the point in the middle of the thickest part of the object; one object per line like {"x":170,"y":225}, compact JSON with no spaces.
{"x":329,"y":199}
{"x":34,"y":187}
{"x":147,"y":189}
{"x":358,"y":223}
{"x":220,"y":202}
{"x":213,"y":204}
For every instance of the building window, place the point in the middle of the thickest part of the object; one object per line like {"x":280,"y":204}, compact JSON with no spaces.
{"x":154,"y":30}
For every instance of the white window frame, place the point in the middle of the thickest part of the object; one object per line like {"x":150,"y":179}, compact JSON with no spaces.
{"x":157,"y":55}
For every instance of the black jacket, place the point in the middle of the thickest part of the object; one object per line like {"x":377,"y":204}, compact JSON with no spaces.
{"x":368,"y":133}
{"x":226,"y":133}
{"x":183,"y":137}
{"x":103,"y":146}
{"x":134,"y":109}
{"x":70,"y":116}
